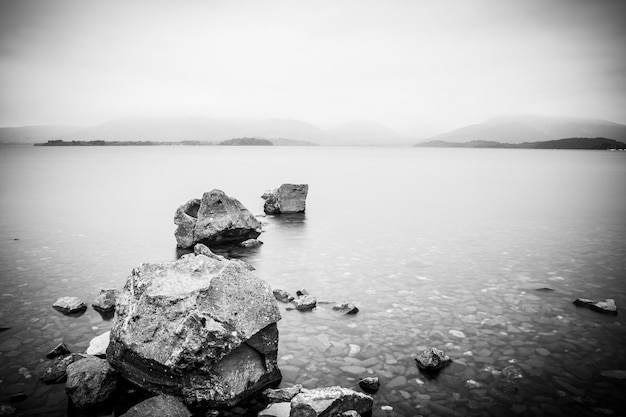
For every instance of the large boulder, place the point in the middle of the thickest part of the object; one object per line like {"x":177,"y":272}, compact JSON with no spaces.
{"x":201,"y":328}
{"x":288,"y":198}
{"x":215,"y":219}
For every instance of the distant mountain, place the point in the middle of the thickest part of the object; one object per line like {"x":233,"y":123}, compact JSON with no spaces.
{"x":203,"y":129}
{"x":518,"y":129}
{"x":365,"y":132}
{"x":567,"y":143}
{"x":31,"y":134}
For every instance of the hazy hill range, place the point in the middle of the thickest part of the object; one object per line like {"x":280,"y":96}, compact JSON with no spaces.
{"x":282,"y":132}
{"x":32,"y":134}
{"x":518,"y":129}
{"x":365,"y":132}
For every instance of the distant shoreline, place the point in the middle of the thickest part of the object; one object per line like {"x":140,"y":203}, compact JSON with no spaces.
{"x":567,"y":143}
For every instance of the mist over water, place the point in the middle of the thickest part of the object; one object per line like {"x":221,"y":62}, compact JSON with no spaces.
{"x":424,"y":241}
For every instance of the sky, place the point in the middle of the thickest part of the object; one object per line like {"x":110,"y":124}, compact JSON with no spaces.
{"x":407,"y":64}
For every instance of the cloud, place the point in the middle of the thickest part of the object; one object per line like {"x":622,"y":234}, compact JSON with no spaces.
{"x":397,"y":62}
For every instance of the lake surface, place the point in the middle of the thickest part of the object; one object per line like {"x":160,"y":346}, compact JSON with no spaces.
{"x":423,"y":241}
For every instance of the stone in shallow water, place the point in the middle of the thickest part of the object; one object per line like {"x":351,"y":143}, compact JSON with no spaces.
{"x":283,"y":296}
{"x":105,"y":301}
{"x":432,"y":359}
{"x":215,"y":219}
{"x":607,"y":306}
{"x":288,"y":198}
{"x":69,"y":305}
{"x":305,"y":302}
{"x":457,"y":333}
{"x":59,"y":350}
{"x":512,"y":372}
{"x":370,"y":384}
{"x":54,"y":371}
{"x":346,"y":308}
{"x":329,"y":401}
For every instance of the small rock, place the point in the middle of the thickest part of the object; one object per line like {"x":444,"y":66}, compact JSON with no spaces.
{"x":544,"y":289}
{"x":69,"y":305}
{"x":512,"y":372}
{"x":105,"y":301}
{"x":250,"y":243}
{"x":99,"y":344}
{"x":59,"y":350}
{"x":90,"y":381}
{"x":607,"y":306}
{"x":542,"y":351}
{"x":471,"y":384}
{"x":302,"y":292}
{"x":305,"y":302}
{"x":350,"y":413}
{"x":432,"y":359}
{"x":386,"y":408}
{"x":161,"y":405}
{"x":370,"y":384}
{"x":7,"y":410}
{"x":282,"y":394}
{"x":329,"y":401}
{"x":283,"y":296}
{"x":54,"y":371}
{"x":346,"y":308}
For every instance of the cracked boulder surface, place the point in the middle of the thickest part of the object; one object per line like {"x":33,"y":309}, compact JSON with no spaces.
{"x":200,"y":328}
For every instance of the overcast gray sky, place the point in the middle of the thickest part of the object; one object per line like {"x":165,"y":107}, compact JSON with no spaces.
{"x":402,"y":63}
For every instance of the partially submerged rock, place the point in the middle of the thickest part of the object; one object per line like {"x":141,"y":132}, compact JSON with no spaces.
{"x":59,"y":350}
{"x":288,"y":198}
{"x":283,"y":296}
{"x":99,"y":344}
{"x":200,"y":328}
{"x":161,"y":405}
{"x":215,"y":219}
{"x":346,"y":308}
{"x":54,"y":370}
{"x":69,"y":305}
{"x":105,"y":301}
{"x":607,"y":306}
{"x":432,"y":359}
{"x":90,"y":381}
{"x":305,"y":302}
{"x":370,"y":384}
{"x":329,"y":401}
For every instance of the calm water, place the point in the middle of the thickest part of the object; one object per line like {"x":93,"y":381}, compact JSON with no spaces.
{"x":424,"y":241}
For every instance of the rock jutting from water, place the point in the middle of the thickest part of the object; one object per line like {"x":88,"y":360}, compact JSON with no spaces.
{"x":432,"y":359}
{"x":105,"y":301}
{"x":346,"y":308}
{"x":370,"y":384}
{"x":329,"y":401}
{"x":607,"y":306}
{"x":200,"y":328}
{"x":69,"y":305}
{"x":54,"y":370}
{"x":288,"y":198}
{"x":59,"y":350}
{"x":214,"y":220}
